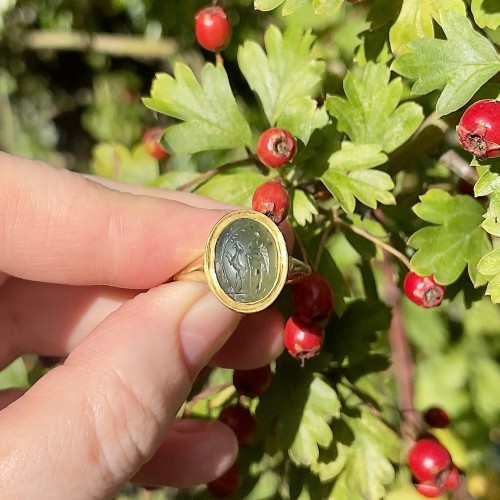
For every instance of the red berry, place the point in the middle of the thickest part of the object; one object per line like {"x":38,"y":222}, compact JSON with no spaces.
{"x":437,"y":417}
{"x":271,"y":199}
{"x":303,"y":339}
{"x":151,"y":142}
{"x":479,"y":129}
{"x":252,"y":383}
{"x":241,"y":421}
{"x":275,"y":147}
{"x":212,"y":28}
{"x":427,"y":459}
{"x":313,"y":298}
{"x":429,"y":490}
{"x":225,"y":485}
{"x":423,"y":290}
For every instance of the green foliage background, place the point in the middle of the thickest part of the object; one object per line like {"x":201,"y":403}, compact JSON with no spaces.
{"x":373,"y":91}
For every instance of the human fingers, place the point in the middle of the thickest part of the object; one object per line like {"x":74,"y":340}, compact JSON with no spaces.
{"x":193,"y":452}
{"x":52,"y":320}
{"x":184,"y":197}
{"x":103,"y":414}
{"x":257,"y":341}
{"x":59,"y":227}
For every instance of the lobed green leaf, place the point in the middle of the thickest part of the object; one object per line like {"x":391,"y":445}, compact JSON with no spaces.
{"x":303,"y":208}
{"x":349,"y":176}
{"x":286,"y":71}
{"x":209,"y":113}
{"x":321,"y":7}
{"x":416,"y":19}
{"x":459,"y":65}
{"x":235,"y":186}
{"x":371,"y":114}
{"x":489,"y":266}
{"x":456,"y":241}
{"x":485,"y":15}
{"x":368,"y":468}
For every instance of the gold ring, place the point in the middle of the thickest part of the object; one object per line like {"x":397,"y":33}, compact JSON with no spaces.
{"x":246,"y":262}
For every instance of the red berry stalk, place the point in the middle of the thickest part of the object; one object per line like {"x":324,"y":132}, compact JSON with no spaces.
{"x":212,"y":28}
{"x":479,"y":129}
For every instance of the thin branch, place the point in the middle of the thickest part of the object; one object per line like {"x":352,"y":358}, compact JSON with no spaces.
{"x":402,"y":361}
{"x":459,"y":166}
{"x":384,"y":246}
{"x":324,"y":238}
{"x":301,"y":246}
{"x":115,"y":45}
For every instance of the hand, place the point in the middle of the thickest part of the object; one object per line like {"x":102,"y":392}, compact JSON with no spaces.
{"x":75,"y":259}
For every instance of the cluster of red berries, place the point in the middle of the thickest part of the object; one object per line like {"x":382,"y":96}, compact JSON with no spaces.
{"x":312,"y":296}
{"x":423,"y":290}
{"x":431,"y":465}
{"x":313,"y":305}
{"x":249,"y":384}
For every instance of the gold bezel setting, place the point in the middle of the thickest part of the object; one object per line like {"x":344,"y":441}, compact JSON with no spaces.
{"x":281,"y":259}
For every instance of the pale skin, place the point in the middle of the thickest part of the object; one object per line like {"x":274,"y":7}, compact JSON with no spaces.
{"x":83,"y":271}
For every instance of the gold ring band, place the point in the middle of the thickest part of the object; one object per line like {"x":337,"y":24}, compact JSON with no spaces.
{"x":246,"y":262}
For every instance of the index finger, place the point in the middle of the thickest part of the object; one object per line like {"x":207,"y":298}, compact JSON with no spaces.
{"x":59,"y":227}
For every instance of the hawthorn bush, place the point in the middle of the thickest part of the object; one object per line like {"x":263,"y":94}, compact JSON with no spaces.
{"x":379,"y":186}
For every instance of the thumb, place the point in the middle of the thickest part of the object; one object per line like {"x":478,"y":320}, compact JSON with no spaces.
{"x":86,"y":427}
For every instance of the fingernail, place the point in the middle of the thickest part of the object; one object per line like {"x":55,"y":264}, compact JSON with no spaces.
{"x":204,"y":330}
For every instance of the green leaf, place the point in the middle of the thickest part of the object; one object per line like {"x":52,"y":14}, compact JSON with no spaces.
{"x":351,"y":335}
{"x":302,"y":117}
{"x":459,"y":65}
{"x":322,"y":404}
{"x":368,"y":468}
{"x":488,"y":182}
{"x":456,"y":241}
{"x":491,"y":222}
{"x":440,"y":380}
{"x":371,"y":114}
{"x":266,"y":5}
{"x":286,"y":73}
{"x":327,"y":7}
{"x":485,"y":14}
{"x":116,"y":161}
{"x":14,"y":375}
{"x":174,"y":179}
{"x":416,"y":20}
{"x":348,"y":177}
{"x":303,"y":207}
{"x":234,"y":186}
{"x":484,"y":381}
{"x":211,"y":118}
{"x":321,"y":7}
{"x":489,"y":266}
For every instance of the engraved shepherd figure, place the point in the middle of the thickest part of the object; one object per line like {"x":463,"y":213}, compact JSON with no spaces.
{"x":248,"y":259}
